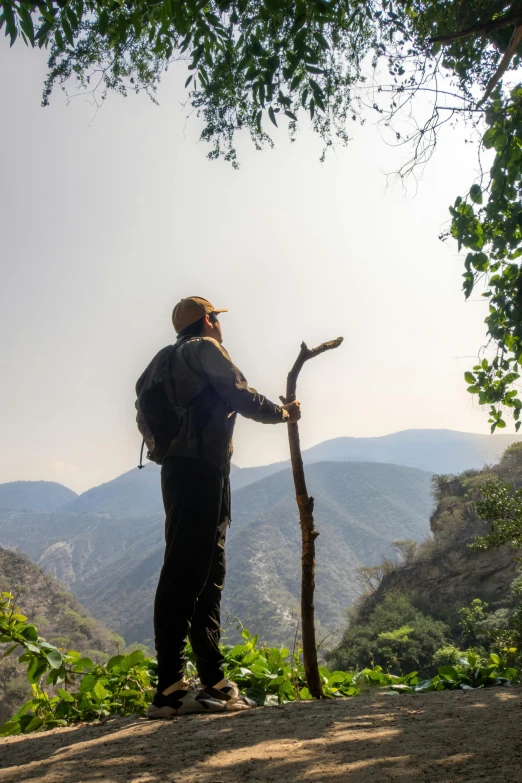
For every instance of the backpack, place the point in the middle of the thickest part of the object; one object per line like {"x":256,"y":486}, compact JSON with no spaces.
{"x":159,"y":417}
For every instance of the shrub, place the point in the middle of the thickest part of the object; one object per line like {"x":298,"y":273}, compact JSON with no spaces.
{"x":396,"y":636}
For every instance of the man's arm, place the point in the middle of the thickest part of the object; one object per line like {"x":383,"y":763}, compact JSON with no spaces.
{"x":231,"y":385}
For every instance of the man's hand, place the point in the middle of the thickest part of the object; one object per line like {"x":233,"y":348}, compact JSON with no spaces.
{"x":294,"y":412}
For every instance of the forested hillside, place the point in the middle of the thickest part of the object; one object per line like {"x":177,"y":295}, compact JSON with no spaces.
{"x":61,"y":620}
{"x":474,"y":593}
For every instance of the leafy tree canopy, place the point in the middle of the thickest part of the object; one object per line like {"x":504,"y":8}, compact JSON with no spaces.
{"x":250,"y":61}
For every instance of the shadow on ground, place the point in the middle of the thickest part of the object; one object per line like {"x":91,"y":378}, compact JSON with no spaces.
{"x":433,"y":738}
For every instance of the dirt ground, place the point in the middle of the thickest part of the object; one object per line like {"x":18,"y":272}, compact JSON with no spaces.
{"x":432,"y":738}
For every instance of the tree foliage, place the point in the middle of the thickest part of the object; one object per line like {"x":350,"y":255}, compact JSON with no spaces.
{"x":396,"y":636}
{"x":253,"y":62}
{"x":488,"y":222}
{"x":501,"y":504}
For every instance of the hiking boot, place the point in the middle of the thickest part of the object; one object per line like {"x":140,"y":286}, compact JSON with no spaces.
{"x":229,"y":694}
{"x":180,"y":699}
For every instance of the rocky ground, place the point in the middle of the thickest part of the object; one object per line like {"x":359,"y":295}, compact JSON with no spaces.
{"x":432,"y":738}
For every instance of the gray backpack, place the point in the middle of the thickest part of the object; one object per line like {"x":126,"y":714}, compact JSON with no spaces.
{"x":159,"y":417}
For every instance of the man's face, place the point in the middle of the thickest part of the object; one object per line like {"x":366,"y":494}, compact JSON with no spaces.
{"x":213,"y":328}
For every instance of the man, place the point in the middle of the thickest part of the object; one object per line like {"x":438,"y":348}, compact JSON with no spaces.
{"x":196,"y":495}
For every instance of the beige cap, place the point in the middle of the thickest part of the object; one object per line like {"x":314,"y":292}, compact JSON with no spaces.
{"x":190,"y":310}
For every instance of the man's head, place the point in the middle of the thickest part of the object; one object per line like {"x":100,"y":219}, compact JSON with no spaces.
{"x":197,"y":317}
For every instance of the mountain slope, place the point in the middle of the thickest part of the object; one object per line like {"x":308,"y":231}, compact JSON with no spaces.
{"x":360,"y":510}
{"x":131,"y":495}
{"x":59,"y":617}
{"x":446,"y":574}
{"x":437,"y":451}
{"x":35,"y":495}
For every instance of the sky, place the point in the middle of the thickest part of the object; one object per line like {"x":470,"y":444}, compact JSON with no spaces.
{"x":108,"y":218}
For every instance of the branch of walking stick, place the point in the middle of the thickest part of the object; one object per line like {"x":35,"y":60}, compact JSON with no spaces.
{"x":305,"y":505}
{"x":305,"y":354}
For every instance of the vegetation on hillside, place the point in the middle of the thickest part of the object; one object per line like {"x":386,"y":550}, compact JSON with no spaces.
{"x":59,"y":616}
{"x":460,"y":590}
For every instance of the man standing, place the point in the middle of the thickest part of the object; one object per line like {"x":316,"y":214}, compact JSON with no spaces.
{"x":196,"y":495}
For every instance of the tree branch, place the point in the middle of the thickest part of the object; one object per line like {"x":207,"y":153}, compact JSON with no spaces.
{"x":481,"y":27}
{"x":504,"y":63}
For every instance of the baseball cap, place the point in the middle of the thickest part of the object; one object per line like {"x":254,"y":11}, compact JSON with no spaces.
{"x":189,"y":310}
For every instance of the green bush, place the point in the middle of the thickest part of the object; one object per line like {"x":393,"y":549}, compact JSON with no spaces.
{"x":447,"y":656}
{"x":396,"y":636}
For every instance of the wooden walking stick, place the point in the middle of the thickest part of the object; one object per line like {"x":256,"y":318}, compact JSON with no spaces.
{"x":305,"y":505}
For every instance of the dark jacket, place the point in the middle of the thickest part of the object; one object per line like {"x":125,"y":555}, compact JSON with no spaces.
{"x":214,"y":391}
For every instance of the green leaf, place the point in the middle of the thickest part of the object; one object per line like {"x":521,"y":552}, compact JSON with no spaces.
{"x":26,"y":23}
{"x":10,"y":728}
{"x":475,"y":193}
{"x":30,"y":633}
{"x":67,"y":31}
{"x":189,"y":80}
{"x":271,"y":114}
{"x":83,"y":663}
{"x":114,"y":662}
{"x":317,"y":90}
{"x":34,"y":674}
{"x":10,"y":22}
{"x":9,"y":651}
{"x":480,"y":261}
{"x":100,"y":692}
{"x":321,"y":40}
{"x":103,"y":22}
{"x":135,"y":657}
{"x":291,"y":115}
{"x":88,"y":682}
{"x":33,"y":724}
{"x":54,"y":657}
{"x":449,"y":673}
{"x":65,"y":695}
{"x":489,"y":138}
{"x":469,"y":377}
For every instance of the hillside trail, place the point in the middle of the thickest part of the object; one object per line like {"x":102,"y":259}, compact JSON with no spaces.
{"x":432,"y":738}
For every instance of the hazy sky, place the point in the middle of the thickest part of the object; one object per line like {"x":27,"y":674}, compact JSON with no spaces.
{"x":108,"y":220}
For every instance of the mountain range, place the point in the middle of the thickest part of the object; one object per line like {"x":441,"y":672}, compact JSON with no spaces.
{"x":436,"y":451}
{"x":106,"y":544}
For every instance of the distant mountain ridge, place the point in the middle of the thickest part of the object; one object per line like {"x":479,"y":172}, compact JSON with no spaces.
{"x":34,"y":495}
{"x":436,"y":451}
{"x":136,"y":493}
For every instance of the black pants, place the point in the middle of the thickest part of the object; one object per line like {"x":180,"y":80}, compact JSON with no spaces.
{"x":188,"y":597}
